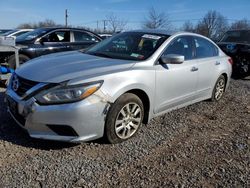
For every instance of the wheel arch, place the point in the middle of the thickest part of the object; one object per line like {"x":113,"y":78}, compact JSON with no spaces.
{"x":143,"y":94}
{"x":12,"y":60}
{"x":145,"y":100}
{"x":226,"y":79}
{"x":20,"y":53}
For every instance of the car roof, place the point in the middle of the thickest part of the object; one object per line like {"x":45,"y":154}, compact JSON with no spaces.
{"x":24,"y":29}
{"x":50,"y":29}
{"x":164,"y":32}
{"x":105,"y":34}
{"x":239,"y":30}
{"x":53,"y":28}
{"x":152,"y":31}
{"x":67,"y":28}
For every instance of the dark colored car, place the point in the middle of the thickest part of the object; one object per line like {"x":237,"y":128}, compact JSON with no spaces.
{"x":236,"y":43}
{"x":50,"y":40}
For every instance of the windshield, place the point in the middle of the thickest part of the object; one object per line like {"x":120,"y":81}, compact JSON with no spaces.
{"x":4,"y":31}
{"x":129,"y":46}
{"x":32,"y":34}
{"x":10,"y":32}
{"x":236,"y":36}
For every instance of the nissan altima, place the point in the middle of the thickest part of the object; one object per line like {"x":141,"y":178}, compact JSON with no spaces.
{"x":116,"y":86}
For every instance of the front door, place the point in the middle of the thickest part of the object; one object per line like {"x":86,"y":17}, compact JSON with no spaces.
{"x":56,"y":41}
{"x":176,"y":83}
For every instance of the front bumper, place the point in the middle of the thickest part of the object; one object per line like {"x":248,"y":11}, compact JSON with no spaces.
{"x":72,"y":122}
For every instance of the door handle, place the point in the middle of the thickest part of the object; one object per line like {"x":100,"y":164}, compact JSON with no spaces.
{"x":217,"y":63}
{"x":193,"y":69}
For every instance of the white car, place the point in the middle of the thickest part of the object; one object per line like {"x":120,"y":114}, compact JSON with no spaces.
{"x":114,"y":86}
{"x":105,"y":36}
{"x":16,"y":32}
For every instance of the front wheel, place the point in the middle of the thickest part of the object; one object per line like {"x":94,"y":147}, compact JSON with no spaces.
{"x":219,"y":88}
{"x":124,"y":118}
{"x":12,"y":60}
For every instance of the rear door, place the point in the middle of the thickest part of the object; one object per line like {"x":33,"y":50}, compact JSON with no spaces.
{"x":208,"y":63}
{"x":83,"y":40}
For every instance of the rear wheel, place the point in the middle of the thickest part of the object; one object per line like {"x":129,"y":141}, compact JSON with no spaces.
{"x":219,"y":88}
{"x":22,"y":59}
{"x":124,"y":118}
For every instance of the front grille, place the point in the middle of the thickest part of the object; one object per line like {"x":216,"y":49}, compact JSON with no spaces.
{"x":24,"y":85}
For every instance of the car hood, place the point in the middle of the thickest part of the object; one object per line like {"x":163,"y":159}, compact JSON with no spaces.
{"x":59,"y":67}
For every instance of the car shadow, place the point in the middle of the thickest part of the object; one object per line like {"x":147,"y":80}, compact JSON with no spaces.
{"x":11,"y":132}
{"x":242,"y":79}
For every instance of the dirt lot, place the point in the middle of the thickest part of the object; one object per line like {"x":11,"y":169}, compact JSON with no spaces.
{"x":203,"y":145}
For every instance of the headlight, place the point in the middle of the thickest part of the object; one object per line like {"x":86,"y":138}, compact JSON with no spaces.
{"x":67,"y":94}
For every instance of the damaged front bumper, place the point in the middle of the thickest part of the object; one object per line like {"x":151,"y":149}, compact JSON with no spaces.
{"x":73,"y":122}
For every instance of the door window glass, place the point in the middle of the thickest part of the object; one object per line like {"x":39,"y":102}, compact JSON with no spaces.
{"x":84,"y":37}
{"x":57,"y":36}
{"x":204,"y":48}
{"x":181,"y":46}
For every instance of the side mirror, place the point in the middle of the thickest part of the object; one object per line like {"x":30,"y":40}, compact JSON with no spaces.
{"x":172,"y":59}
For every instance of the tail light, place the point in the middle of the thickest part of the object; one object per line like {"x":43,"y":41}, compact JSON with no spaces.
{"x":230,"y":60}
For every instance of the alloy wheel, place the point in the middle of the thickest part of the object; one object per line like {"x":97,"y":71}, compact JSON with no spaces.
{"x":128,"y":120}
{"x":219,"y":89}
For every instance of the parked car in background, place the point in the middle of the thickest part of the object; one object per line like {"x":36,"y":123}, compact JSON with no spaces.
{"x":116,"y":85}
{"x":105,"y":36}
{"x":50,"y":40}
{"x":16,"y":32}
{"x":236,"y":44}
{"x":2,"y":31}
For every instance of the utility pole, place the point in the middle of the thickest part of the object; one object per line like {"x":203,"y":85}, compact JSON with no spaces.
{"x":104,"y":25}
{"x":97,"y":22}
{"x":66,"y":17}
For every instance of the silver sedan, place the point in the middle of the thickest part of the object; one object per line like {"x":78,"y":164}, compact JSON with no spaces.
{"x":117,"y":85}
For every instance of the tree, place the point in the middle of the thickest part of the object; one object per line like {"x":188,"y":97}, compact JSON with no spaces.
{"x":213,"y":25}
{"x":188,"y":26}
{"x":241,"y":24}
{"x":25,"y":26}
{"x":45,"y":23}
{"x":155,"y":20}
{"x":115,"y":24}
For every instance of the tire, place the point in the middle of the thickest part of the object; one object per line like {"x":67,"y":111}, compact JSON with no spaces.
{"x":12,"y":60}
{"x":219,"y":89}
{"x":124,"y":118}
{"x":241,"y":68}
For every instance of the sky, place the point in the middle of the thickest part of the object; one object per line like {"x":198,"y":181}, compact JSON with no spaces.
{"x":88,"y":12}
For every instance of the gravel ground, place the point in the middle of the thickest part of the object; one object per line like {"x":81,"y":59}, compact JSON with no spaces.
{"x":203,"y":145}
